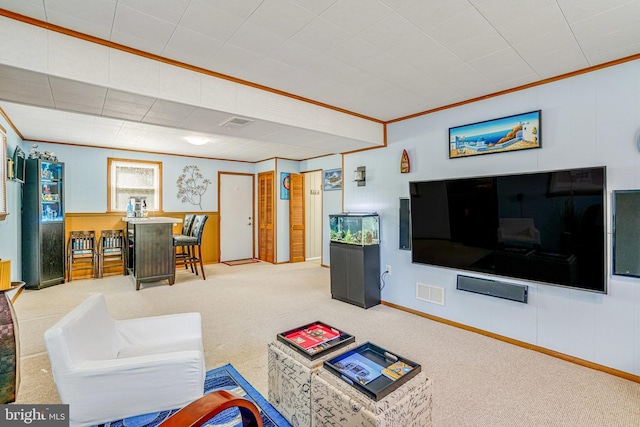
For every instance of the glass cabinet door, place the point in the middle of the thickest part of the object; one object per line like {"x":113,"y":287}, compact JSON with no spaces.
{"x":51,"y":192}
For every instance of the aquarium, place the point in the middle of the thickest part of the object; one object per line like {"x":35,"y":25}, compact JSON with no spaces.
{"x":362,"y":229}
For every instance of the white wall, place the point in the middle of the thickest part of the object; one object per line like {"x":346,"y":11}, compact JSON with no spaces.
{"x":331,"y":200}
{"x":588,"y":120}
{"x":282,"y":244}
{"x":10,"y":228}
{"x":86,"y":176}
{"x":313,"y":214}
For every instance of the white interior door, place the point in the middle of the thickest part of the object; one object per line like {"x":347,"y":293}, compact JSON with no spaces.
{"x":236,"y":216}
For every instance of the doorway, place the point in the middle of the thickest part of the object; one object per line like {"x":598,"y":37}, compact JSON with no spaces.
{"x":235,"y":205}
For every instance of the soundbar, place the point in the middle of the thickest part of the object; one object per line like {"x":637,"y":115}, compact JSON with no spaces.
{"x":493,"y":288}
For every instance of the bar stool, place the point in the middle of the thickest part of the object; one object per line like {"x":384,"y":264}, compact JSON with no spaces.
{"x":111,"y":251}
{"x":187,"y":224}
{"x":193,"y":245}
{"x":81,"y":252}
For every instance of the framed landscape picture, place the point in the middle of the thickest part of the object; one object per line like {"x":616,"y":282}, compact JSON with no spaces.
{"x":332,"y":179}
{"x":512,"y":133}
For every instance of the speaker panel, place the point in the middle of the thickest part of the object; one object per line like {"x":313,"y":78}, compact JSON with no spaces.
{"x":405,"y":224}
{"x":626,"y":233}
{"x":493,"y":288}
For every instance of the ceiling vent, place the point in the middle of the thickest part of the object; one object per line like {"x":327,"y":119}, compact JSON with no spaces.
{"x":236,"y":122}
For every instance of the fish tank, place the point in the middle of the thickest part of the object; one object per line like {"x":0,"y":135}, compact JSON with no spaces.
{"x":353,"y":228}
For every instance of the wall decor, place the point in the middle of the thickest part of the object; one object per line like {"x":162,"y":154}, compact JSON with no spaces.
{"x":42,"y":155}
{"x":285,"y":185}
{"x":360,"y":176}
{"x":405,"y":165}
{"x":512,"y":133}
{"x":192,"y":185}
{"x":332,"y":179}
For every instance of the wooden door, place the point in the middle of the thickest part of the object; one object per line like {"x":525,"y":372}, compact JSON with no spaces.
{"x":296,"y":219}
{"x":266,"y":217}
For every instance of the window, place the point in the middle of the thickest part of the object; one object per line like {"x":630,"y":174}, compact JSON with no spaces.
{"x":3,"y":173}
{"x":134,"y":178}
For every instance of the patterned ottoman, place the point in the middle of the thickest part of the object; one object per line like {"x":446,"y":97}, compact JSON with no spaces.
{"x":290,"y":381}
{"x":336,"y":403}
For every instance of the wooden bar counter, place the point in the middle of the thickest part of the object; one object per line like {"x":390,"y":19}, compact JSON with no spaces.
{"x":150,"y":253}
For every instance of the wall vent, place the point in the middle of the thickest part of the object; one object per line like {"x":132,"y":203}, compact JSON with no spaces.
{"x":430,"y":293}
{"x":236,"y":122}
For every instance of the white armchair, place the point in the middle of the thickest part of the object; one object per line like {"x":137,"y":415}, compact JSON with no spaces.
{"x":107,"y":369}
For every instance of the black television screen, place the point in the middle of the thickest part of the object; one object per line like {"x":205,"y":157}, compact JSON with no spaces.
{"x":547,"y":227}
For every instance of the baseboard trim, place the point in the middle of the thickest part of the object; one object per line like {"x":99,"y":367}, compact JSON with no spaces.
{"x":543,"y":350}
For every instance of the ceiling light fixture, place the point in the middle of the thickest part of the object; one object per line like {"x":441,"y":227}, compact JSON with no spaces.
{"x":196,"y":140}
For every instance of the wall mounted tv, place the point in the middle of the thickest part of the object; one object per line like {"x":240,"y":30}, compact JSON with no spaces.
{"x":18,"y":165}
{"x":547,"y":227}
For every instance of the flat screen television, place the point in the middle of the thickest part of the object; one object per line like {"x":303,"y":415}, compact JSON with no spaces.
{"x":18,"y":165}
{"x":546,"y":227}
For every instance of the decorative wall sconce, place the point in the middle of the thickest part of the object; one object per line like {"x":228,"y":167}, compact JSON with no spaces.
{"x":360,"y":176}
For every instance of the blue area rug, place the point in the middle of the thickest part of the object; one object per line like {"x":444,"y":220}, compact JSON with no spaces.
{"x":222,"y":378}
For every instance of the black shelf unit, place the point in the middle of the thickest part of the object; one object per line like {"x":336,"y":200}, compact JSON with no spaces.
{"x":355,"y":274}
{"x":43,"y":234}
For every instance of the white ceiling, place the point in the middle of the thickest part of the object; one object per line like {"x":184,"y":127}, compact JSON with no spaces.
{"x":383,"y":59}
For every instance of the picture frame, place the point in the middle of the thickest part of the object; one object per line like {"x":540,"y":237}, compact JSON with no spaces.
{"x":315,"y":339}
{"x":511,"y":133}
{"x":285,"y":185}
{"x":332,"y":179}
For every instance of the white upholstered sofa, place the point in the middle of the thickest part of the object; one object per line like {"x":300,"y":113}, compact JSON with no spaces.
{"x":108,"y":369}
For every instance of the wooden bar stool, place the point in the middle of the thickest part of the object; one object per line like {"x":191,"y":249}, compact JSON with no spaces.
{"x":81,"y":253}
{"x":111,"y":251}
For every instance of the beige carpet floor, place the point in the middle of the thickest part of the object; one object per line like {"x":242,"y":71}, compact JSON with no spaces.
{"x":477,"y":381}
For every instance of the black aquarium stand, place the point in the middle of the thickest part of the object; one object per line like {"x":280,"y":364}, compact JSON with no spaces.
{"x":355,"y":274}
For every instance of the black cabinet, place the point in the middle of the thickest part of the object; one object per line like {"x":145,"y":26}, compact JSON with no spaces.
{"x":355,"y":274}
{"x":43,"y":234}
